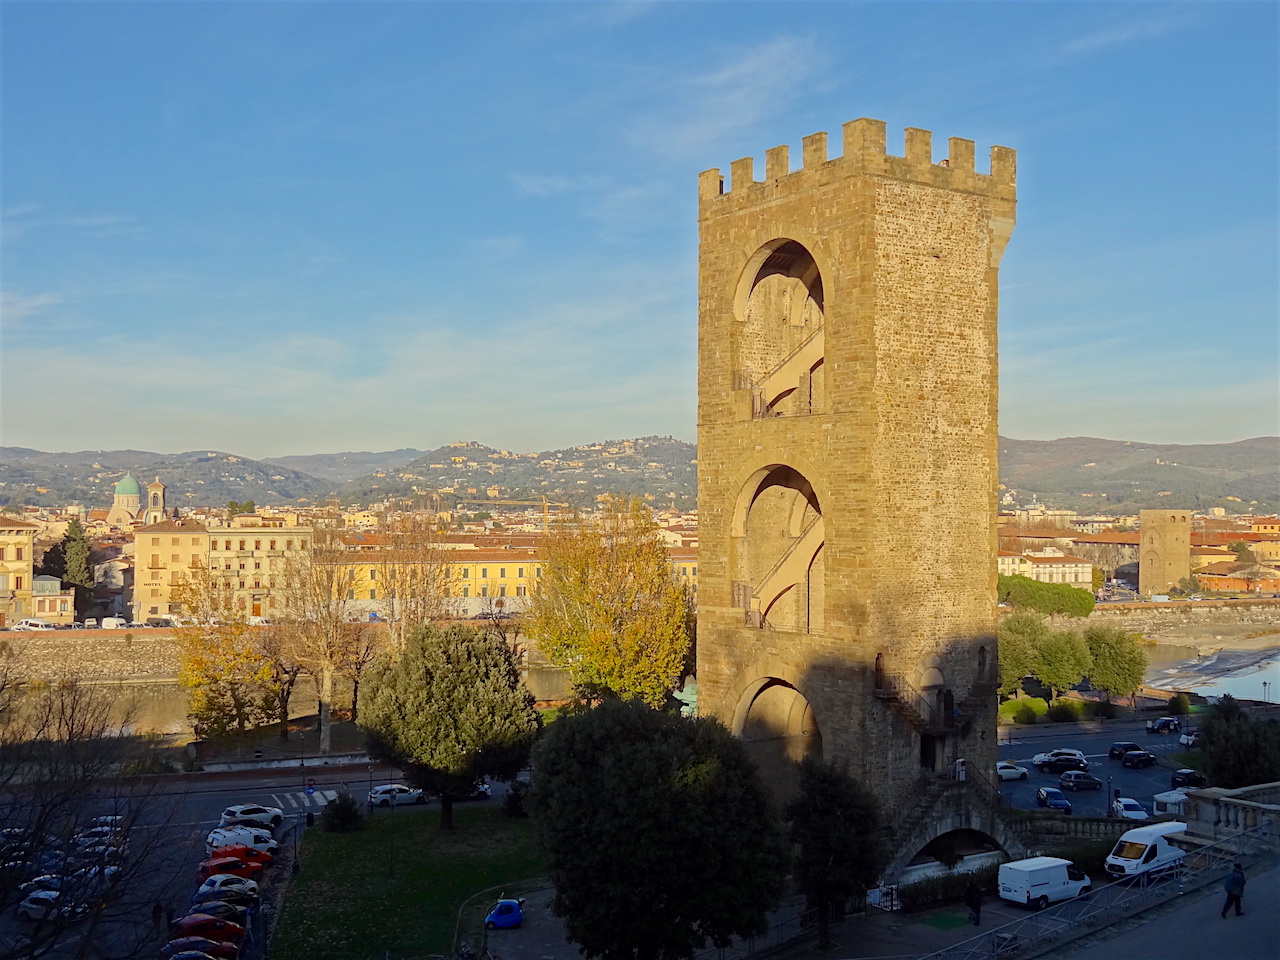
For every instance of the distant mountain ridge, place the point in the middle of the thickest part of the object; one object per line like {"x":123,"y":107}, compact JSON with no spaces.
{"x":1087,"y":474}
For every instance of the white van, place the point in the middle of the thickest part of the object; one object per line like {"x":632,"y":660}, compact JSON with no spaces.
{"x":1040,"y":881}
{"x":114,"y":623}
{"x":240,"y":836}
{"x":1145,"y":849}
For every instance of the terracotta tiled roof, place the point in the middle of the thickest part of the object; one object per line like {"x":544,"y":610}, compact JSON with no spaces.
{"x":174,"y":526}
{"x":13,"y":523}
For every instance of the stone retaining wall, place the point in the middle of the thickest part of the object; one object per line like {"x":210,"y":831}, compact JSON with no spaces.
{"x":136,"y":655}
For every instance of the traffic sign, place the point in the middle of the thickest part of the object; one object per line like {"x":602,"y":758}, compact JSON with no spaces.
{"x":310,"y":789}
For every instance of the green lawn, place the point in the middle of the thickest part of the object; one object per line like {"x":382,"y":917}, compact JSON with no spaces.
{"x":399,"y":883}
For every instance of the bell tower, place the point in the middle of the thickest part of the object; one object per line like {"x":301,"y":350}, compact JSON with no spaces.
{"x":847,"y":456}
{"x":154,"y":510}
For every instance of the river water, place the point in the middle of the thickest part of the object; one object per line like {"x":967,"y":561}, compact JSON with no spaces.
{"x":1245,"y":674}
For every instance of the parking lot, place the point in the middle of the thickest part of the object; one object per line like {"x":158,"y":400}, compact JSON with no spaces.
{"x":1020,"y":744}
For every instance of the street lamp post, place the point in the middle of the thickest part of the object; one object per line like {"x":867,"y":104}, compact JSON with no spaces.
{"x":1108,"y":794}
{"x":1265,"y":698}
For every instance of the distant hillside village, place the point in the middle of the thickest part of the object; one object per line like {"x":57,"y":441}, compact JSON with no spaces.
{"x":488,"y":551}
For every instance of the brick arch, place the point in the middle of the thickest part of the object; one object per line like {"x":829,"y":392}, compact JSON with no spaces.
{"x":756,"y":250}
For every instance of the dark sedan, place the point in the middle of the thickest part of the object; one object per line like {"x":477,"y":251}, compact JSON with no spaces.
{"x":1079,"y":780}
{"x":1053,"y":798}
{"x":1188,"y":778}
{"x":1121,"y":747}
{"x":1062,"y":764}
{"x":1138,"y":758}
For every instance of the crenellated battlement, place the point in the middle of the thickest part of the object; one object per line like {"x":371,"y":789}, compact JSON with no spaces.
{"x":865,"y":152}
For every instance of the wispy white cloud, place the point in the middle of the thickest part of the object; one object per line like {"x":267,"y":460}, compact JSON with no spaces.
{"x":1154,"y":22}
{"x":703,"y":108}
{"x":14,"y":307}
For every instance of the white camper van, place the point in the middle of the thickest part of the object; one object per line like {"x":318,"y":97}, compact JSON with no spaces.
{"x":1145,"y":849}
{"x":1040,"y":881}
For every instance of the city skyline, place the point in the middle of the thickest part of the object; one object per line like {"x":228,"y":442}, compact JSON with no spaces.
{"x":305,"y":228}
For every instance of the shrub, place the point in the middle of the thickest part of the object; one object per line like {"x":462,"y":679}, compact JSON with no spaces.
{"x":342,"y":815}
{"x":1089,"y":855}
{"x":1024,"y":714}
{"x":1064,"y":711}
{"x":1179,"y":705}
{"x":924,"y":893}
{"x":513,"y":802}
{"x":1104,"y":710}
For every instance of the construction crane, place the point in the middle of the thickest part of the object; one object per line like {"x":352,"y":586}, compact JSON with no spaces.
{"x":546,"y":520}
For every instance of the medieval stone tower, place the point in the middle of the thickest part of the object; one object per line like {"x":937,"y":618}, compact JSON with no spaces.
{"x":847,"y":464}
{"x":1164,"y":549}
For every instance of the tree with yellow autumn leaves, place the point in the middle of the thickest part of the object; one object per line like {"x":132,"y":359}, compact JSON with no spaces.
{"x":609,"y":608}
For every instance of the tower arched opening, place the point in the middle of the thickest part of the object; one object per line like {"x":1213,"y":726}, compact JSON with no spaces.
{"x":780,"y":346}
{"x":778,"y":542}
{"x":779,"y":729}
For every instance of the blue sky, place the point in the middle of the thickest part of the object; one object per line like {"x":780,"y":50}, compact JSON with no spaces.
{"x":282,"y":228}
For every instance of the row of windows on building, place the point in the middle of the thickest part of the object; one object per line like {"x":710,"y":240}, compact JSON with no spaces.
{"x":18,"y":581}
{"x":19,"y":553}
{"x":226,"y":544}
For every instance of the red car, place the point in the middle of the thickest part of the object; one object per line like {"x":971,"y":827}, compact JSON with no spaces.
{"x":241,"y":868}
{"x":203,"y":925}
{"x":221,"y":949}
{"x":241,"y":852}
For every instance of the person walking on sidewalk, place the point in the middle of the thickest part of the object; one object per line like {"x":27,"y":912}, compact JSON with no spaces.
{"x":973,"y":900}
{"x":1234,"y":886}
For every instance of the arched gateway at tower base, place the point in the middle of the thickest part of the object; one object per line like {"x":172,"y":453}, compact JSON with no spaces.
{"x":847,"y":467}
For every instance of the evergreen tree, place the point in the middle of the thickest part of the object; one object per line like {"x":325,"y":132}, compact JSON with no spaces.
{"x":839,"y":839}
{"x":660,"y":833}
{"x":448,"y":708}
{"x":79,"y":569}
{"x":1240,"y":751}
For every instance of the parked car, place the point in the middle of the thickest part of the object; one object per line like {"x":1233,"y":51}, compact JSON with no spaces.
{"x":50,"y":905}
{"x":1045,"y":757}
{"x":387,"y":794}
{"x":1053,"y":798}
{"x":1079,"y":780}
{"x":254,"y":837}
{"x":1126,"y":808}
{"x":1186,"y":777}
{"x":241,"y":852}
{"x":479,"y":790}
{"x":229,"y":881}
{"x":1006,"y":770}
{"x":203,"y":925}
{"x":1121,"y":747}
{"x":1138,"y":758}
{"x":253,"y":815}
{"x":506,"y":913}
{"x":1062,"y":763}
{"x":237,"y":898}
{"x":1164,"y":725}
{"x":1190,"y":738}
{"x":220,"y":949}
{"x":223,"y":910}
{"x":241,"y":868}
{"x":33,"y":623}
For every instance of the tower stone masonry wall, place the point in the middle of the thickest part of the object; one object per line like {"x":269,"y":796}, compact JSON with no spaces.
{"x":888,"y":441}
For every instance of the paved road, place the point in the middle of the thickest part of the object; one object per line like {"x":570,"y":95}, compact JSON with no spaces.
{"x":1020,"y":744}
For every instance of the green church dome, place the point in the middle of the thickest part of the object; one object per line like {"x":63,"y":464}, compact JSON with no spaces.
{"x":128,"y":487}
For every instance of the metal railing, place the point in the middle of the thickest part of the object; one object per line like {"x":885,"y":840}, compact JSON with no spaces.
{"x":775,"y":936}
{"x":1110,"y":903}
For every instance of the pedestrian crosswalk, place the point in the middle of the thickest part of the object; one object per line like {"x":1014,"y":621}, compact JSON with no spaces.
{"x":302,"y":800}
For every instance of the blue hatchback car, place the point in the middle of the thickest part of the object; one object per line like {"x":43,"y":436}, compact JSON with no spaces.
{"x":505,"y":913}
{"x":1053,"y":798}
